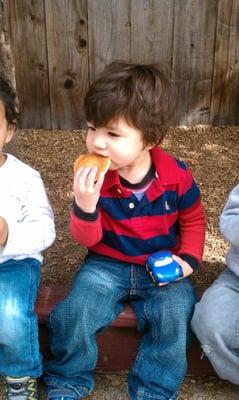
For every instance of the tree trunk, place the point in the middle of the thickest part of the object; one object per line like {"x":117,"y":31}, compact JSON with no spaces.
{"x":7,"y":70}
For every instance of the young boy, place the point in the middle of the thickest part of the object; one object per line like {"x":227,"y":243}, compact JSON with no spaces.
{"x":26,"y":228}
{"x":216,"y":319}
{"x":146,"y":202}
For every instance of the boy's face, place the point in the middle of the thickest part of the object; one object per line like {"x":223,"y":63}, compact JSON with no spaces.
{"x":119,"y":141}
{"x":6,"y":130}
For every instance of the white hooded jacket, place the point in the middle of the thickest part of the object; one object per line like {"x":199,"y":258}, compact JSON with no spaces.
{"x":25,"y":207}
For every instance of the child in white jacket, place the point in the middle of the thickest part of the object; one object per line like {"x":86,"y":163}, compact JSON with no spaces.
{"x":216,"y":316}
{"x":26,"y":229}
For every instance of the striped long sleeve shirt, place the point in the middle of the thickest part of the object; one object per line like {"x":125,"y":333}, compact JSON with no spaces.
{"x":170,"y":216}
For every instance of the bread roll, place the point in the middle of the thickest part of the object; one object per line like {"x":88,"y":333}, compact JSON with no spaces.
{"x":88,"y":160}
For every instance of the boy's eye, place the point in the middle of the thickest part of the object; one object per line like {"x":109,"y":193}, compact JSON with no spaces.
{"x":113,"y":134}
{"x":91,"y":128}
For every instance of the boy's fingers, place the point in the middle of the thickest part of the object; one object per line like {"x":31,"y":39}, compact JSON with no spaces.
{"x":85,"y":176}
{"x":100,"y":180}
{"x":91,"y":176}
{"x":76,"y":176}
{"x":163,"y":284}
{"x":178,"y":259}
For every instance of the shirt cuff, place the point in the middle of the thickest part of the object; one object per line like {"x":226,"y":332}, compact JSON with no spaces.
{"x":192,"y":261}
{"x":84,"y":215}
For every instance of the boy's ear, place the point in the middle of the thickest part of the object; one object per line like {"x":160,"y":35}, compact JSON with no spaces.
{"x":149,"y":146}
{"x":10,"y":132}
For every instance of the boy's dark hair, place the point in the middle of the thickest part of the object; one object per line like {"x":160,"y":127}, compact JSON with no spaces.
{"x":140,"y":94}
{"x":8,"y":97}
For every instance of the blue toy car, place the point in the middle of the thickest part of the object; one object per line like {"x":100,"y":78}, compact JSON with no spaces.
{"x":163,"y":268}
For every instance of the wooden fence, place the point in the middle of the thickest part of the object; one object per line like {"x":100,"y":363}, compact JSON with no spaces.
{"x":59,"y":46}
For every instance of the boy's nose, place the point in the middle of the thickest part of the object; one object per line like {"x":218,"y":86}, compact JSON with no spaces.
{"x":100,"y":143}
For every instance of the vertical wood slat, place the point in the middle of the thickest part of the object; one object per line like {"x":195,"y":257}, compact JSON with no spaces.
{"x":152,"y":31}
{"x":109,"y":33}
{"x":225,"y":93}
{"x":26,"y":25}
{"x":67,"y":42}
{"x":193,"y":58}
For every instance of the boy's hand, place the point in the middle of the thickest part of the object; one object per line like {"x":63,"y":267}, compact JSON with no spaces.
{"x":3,"y":231}
{"x":187,"y":270}
{"x":86,"y":189}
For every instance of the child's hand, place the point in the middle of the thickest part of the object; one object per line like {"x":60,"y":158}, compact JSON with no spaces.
{"x":187,"y":270}
{"x":86,"y":189}
{"x":3,"y":231}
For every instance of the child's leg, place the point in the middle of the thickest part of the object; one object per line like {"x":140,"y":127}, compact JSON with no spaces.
{"x":216,"y":324}
{"x":161,"y":363}
{"x":93,"y":302}
{"x":19,"y":348}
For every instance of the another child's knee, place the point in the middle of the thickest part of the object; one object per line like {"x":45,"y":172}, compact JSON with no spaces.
{"x":210,"y":324}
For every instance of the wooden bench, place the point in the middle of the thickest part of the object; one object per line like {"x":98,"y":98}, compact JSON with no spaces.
{"x":119,"y":343}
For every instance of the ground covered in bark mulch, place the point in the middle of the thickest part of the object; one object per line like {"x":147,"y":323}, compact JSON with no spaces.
{"x":211,"y":153}
{"x":114,"y":387}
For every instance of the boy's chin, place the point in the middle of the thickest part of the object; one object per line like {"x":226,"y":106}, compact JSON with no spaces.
{"x":113,"y":167}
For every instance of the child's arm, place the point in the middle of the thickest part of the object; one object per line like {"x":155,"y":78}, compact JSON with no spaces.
{"x":33,"y":230}
{"x":229,"y":220}
{"x":192,"y":222}
{"x":192,"y":236}
{"x":85,"y":228}
{"x":3,"y":231}
{"x":192,"y":232}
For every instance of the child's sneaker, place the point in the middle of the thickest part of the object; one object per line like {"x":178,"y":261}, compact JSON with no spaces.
{"x":21,"y":388}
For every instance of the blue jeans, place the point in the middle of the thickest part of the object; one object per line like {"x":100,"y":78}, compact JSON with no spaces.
{"x":216,"y":324}
{"x":19,"y":348}
{"x":99,"y":292}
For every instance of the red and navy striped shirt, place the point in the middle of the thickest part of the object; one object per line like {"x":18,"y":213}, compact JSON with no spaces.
{"x":170,"y":216}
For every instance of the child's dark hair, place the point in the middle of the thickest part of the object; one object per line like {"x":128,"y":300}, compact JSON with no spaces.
{"x":8,"y":97}
{"x":140,"y":94}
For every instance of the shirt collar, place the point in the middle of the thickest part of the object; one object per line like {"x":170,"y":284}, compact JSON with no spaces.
{"x":166,"y":166}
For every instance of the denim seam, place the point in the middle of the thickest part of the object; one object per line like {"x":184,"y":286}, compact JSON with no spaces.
{"x":237,"y":326}
{"x":117,"y":299}
{"x":32,"y":294}
{"x":234,"y":339}
{"x":54,"y":382}
{"x":152,"y":322}
{"x":29,"y":314}
{"x":139,"y":355}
